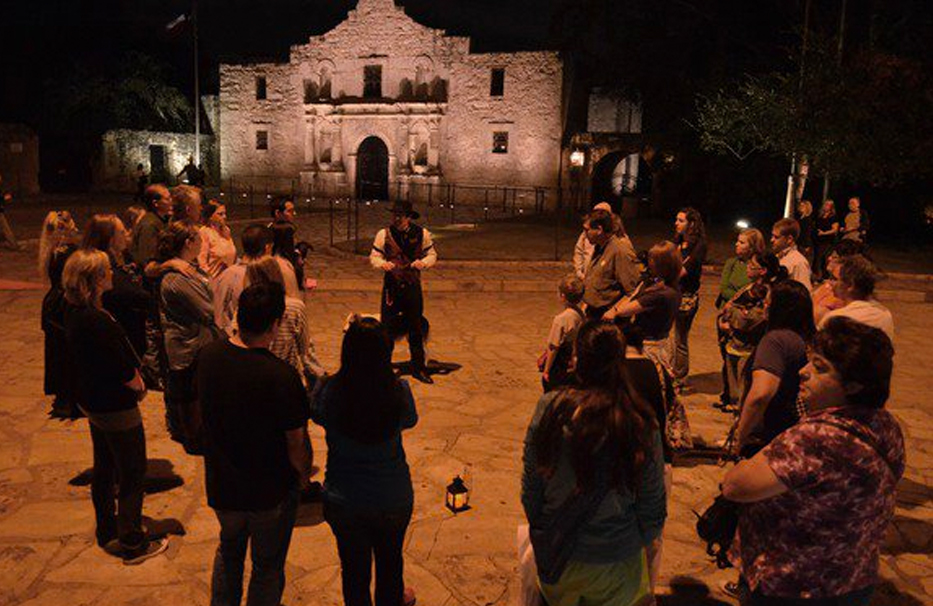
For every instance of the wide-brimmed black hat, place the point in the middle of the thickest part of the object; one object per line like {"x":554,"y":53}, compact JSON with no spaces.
{"x":400,"y":207}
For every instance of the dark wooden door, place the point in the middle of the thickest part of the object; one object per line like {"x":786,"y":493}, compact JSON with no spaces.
{"x":157,"y":170}
{"x":372,"y":170}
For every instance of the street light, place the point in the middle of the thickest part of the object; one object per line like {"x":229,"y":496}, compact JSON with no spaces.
{"x":577,"y":158}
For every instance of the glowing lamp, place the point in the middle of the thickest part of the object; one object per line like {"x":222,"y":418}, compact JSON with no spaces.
{"x":742,"y":224}
{"x":577,"y":158}
{"x":458,"y":496}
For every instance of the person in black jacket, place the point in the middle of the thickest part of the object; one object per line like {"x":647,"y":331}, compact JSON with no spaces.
{"x":690,"y":237}
{"x":128,"y":301}
{"x":109,"y":387}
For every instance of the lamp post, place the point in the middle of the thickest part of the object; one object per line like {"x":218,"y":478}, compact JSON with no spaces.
{"x":197,"y":85}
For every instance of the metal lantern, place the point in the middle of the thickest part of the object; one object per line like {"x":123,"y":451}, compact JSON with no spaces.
{"x":577,"y":158}
{"x":458,"y":495}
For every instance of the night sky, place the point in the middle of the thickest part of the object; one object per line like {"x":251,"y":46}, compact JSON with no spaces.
{"x":43,"y":38}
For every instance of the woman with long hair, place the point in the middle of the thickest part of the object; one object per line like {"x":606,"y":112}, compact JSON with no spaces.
{"x":690,"y":237}
{"x":58,"y":231}
{"x":593,"y":480}
{"x":187,"y":311}
{"x":827,"y":232}
{"x":742,"y":323}
{"x":218,"y":252}
{"x":293,"y":340}
{"x":128,"y":300}
{"x":804,"y":216}
{"x":56,"y":243}
{"x":818,"y":500}
{"x":110,"y":388}
{"x":368,"y":496}
{"x":735,"y":277}
{"x":655,"y":304}
{"x":769,"y":405}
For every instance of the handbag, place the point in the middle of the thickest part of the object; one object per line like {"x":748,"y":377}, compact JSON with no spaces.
{"x":716,"y":527}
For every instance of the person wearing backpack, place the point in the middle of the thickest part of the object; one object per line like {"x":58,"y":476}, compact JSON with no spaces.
{"x":554,"y":362}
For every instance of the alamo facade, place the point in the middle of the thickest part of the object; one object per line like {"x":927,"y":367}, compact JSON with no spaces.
{"x":382,"y":106}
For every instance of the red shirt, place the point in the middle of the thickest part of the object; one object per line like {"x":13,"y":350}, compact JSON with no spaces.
{"x":822,"y":537}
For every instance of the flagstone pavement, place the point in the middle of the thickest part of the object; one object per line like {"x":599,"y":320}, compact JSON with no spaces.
{"x":472,"y":419}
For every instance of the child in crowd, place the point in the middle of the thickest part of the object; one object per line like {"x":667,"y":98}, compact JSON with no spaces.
{"x":554,"y":362}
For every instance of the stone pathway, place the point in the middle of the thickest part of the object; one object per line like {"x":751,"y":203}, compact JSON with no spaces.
{"x":472,"y":419}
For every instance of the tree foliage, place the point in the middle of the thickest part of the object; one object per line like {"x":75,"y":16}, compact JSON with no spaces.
{"x":131,"y":92}
{"x":867,"y":119}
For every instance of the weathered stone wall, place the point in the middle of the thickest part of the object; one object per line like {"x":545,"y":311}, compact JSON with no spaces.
{"x":122,"y":150}
{"x":612,"y":114}
{"x":435,"y":113}
{"x":529,"y":111}
{"x":19,"y":159}
{"x":242,"y":116}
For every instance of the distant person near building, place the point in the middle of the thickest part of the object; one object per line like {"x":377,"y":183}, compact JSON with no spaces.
{"x":6,"y":232}
{"x":142,"y":180}
{"x":191,"y":172}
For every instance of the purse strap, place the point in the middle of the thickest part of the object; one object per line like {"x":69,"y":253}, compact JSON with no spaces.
{"x":860,"y":434}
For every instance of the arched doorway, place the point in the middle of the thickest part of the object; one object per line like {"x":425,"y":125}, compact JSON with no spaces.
{"x":614,"y":177}
{"x":372,"y":170}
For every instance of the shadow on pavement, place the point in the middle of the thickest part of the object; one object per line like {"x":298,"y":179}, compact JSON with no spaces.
{"x":886,"y":594}
{"x":911,"y":494}
{"x":908,"y":535}
{"x":709,"y":383}
{"x":310,"y":514}
{"x":688,"y":591}
{"x":433,"y":367}
{"x":164,"y":527}
{"x":160,"y":477}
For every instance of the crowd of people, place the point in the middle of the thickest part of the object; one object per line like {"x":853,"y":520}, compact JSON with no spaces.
{"x":806,"y":373}
{"x":163,"y":299}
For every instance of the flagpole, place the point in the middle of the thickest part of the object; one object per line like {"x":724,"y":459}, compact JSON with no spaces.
{"x":197,"y":88}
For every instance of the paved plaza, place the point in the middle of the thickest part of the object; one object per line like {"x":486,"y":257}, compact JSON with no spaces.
{"x":489,"y":318}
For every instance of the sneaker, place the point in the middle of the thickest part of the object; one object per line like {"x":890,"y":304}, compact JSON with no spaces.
{"x":152,"y":549}
{"x":731,"y":588}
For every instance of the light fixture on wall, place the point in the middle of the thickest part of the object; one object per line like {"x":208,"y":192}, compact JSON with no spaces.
{"x":577,"y":158}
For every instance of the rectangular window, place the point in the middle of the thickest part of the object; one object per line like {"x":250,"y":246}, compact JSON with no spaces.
{"x":497,"y":84}
{"x":372,"y":81}
{"x":260,"y":87}
{"x":500,"y":143}
{"x":262,"y":139}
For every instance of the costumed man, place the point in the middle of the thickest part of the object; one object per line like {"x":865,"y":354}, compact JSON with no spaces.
{"x":403,"y":250}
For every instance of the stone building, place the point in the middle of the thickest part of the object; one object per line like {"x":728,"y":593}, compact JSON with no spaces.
{"x":381,"y":106}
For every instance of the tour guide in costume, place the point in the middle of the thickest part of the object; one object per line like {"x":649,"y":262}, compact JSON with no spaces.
{"x":403,"y":250}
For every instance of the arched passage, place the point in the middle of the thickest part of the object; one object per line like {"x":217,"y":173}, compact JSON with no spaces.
{"x":372,"y":170}
{"x":613,"y":177}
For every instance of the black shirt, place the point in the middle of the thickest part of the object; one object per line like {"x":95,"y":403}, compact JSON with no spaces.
{"x":806,"y":231}
{"x":694,"y":255}
{"x":824,"y":223}
{"x":660,"y":303}
{"x":249,"y":399}
{"x":129,"y":303}
{"x":782,"y":353}
{"x":103,"y":360}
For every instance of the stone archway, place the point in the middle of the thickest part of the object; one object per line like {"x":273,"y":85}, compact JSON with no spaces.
{"x":372,"y":170}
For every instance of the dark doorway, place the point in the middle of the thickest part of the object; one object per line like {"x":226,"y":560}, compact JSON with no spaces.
{"x":603,"y":187}
{"x":372,"y":170}
{"x":157,"y":164}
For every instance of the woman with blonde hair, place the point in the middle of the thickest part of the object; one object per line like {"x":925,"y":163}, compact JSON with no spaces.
{"x":110,"y":389}
{"x":58,"y":231}
{"x":293,"y":342}
{"x":56,"y":243}
{"x":218,"y":252}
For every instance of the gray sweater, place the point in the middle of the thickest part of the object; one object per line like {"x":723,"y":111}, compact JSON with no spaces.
{"x":187,"y":310}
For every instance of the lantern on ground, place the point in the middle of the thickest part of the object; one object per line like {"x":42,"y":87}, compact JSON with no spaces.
{"x":458,"y":496}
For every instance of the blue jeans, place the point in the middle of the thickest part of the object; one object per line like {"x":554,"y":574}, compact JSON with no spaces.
{"x":683,"y":321}
{"x":268,"y":533}
{"x":364,"y":536}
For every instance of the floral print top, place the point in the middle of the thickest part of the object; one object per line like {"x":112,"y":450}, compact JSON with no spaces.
{"x":822,"y":537}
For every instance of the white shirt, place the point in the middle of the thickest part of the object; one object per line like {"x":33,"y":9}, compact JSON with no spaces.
{"x":870,"y":312}
{"x":798,"y":268}
{"x":428,"y":254}
{"x":582,"y":253}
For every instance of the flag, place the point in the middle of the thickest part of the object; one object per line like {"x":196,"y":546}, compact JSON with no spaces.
{"x":177,"y":21}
